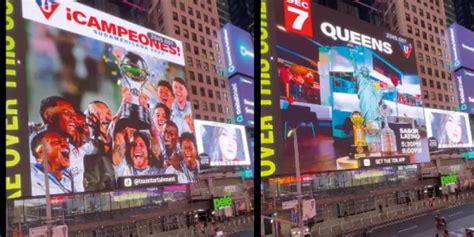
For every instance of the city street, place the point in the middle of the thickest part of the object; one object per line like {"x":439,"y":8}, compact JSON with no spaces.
{"x":458,"y":218}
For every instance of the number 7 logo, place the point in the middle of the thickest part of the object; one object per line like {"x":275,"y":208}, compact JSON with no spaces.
{"x":298,"y":17}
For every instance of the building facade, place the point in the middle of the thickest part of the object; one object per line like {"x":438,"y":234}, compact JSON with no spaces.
{"x":425,"y":23}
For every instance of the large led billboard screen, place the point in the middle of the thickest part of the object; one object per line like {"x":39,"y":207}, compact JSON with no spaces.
{"x":238,"y":50}
{"x":241,"y":93}
{"x":461,"y":46}
{"x":464,"y":83}
{"x":100,"y":98}
{"x":450,"y":129}
{"x":225,"y":144}
{"x":351,"y":89}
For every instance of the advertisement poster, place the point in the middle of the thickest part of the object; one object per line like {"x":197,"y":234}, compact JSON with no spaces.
{"x":238,"y":50}
{"x":464,"y":79}
{"x":225,"y":144}
{"x":450,"y":129}
{"x":461,"y":46}
{"x":100,"y":98}
{"x":241,"y":91}
{"x":350,"y":88}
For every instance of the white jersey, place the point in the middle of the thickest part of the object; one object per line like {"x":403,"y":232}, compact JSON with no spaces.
{"x":76,"y":157}
{"x":63,"y":186}
{"x":183,"y":177}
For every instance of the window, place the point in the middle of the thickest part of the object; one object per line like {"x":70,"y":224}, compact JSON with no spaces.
{"x":436,"y":72}
{"x":202,"y":40}
{"x":175,"y":16}
{"x":188,"y":46}
{"x":417,"y":32}
{"x":206,"y":66}
{"x":189,"y":61}
{"x":226,"y":110}
{"x":194,"y":90}
{"x":431,"y":84}
{"x":181,"y":6}
{"x":196,"y":51}
{"x":204,"y":105}
{"x":208,"y":80}
{"x":199,"y":27}
{"x":216,"y":82}
{"x":214,"y":118}
{"x":430,"y":72}
{"x":190,"y":11}
{"x":438,"y":85}
{"x":200,"y":78}
{"x":206,"y":117}
{"x":196,"y":104}
{"x":198,"y":64}
{"x":433,"y":95}
{"x":443,"y":75}
{"x":420,"y":57}
{"x":213,"y":107}
{"x":184,"y":20}
{"x":423,"y":81}
{"x":450,"y":88}
{"x":192,"y":76}
{"x":425,"y":95}
{"x":219,"y":108}
{"x":222,"y":120}
{"x":202,"y":91}
{"x":452,"y":99}
{"x":203,"y":53}
{"x":410,"y":30}
{"x":225,"y":96}
{"x":173,"y":3}
{"x":413,"y":8}
{"x":198,"y":15}
{"x":415,"y":20}
{"x":218,"y":95}
{"x":222,"y":83}
{"x":422,"y":69}
{"x":446,"y":98}
{"x":206,"y":19}
{"x":186,"y":33}
{"x":211,"y":93}
{"x":176,"y":29}
{"x":213,"y":22}
{"x":445,"y":86}
{"x":194,"y":37}
{"x":191,"y":23}
{"x":211,"y":56}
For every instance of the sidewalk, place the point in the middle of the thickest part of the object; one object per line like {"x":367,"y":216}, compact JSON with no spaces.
{"x":390,"y":215}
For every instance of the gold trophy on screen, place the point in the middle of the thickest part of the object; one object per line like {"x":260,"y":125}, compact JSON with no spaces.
{"x":358,"y":128}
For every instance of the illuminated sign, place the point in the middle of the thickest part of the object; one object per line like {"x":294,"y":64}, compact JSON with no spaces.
{"x":464,"y":79}
{"x":298,"y":17}
{"x":351,"y":90}
{"x":449,"y":179}
{"x":461,"y":46}
{"x":146,"y":181}
{"x":225,"y":144}
{"x":450,"y":129}
{"x":223,"y":202}
{"x":238,"y":51}
{"x":81,"y":58}
{"x":343,"y":34}
{"x":241,"y":91}
{"x":87,"y":21}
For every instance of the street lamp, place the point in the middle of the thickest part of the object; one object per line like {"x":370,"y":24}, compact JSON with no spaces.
{"x":48,"y":196}
{"x":293,"y":133}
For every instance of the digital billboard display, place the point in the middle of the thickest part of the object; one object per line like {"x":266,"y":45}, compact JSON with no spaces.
{"x":100,"y":98}
{"x":241,"y":93}
{"x":461,"y":46}
{"x":351,"y":89}
{"x":450,"y":129}
{"x":225,"y":144}
{"x":464,"y":79}
{"x":238,"y":50}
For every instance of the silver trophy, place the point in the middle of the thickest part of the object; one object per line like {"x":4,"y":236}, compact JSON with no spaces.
{"x":387,"y":135}
{"x":134,"y":76}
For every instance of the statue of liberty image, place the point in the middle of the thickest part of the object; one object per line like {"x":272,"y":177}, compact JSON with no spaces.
{"x":370,"y":99}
